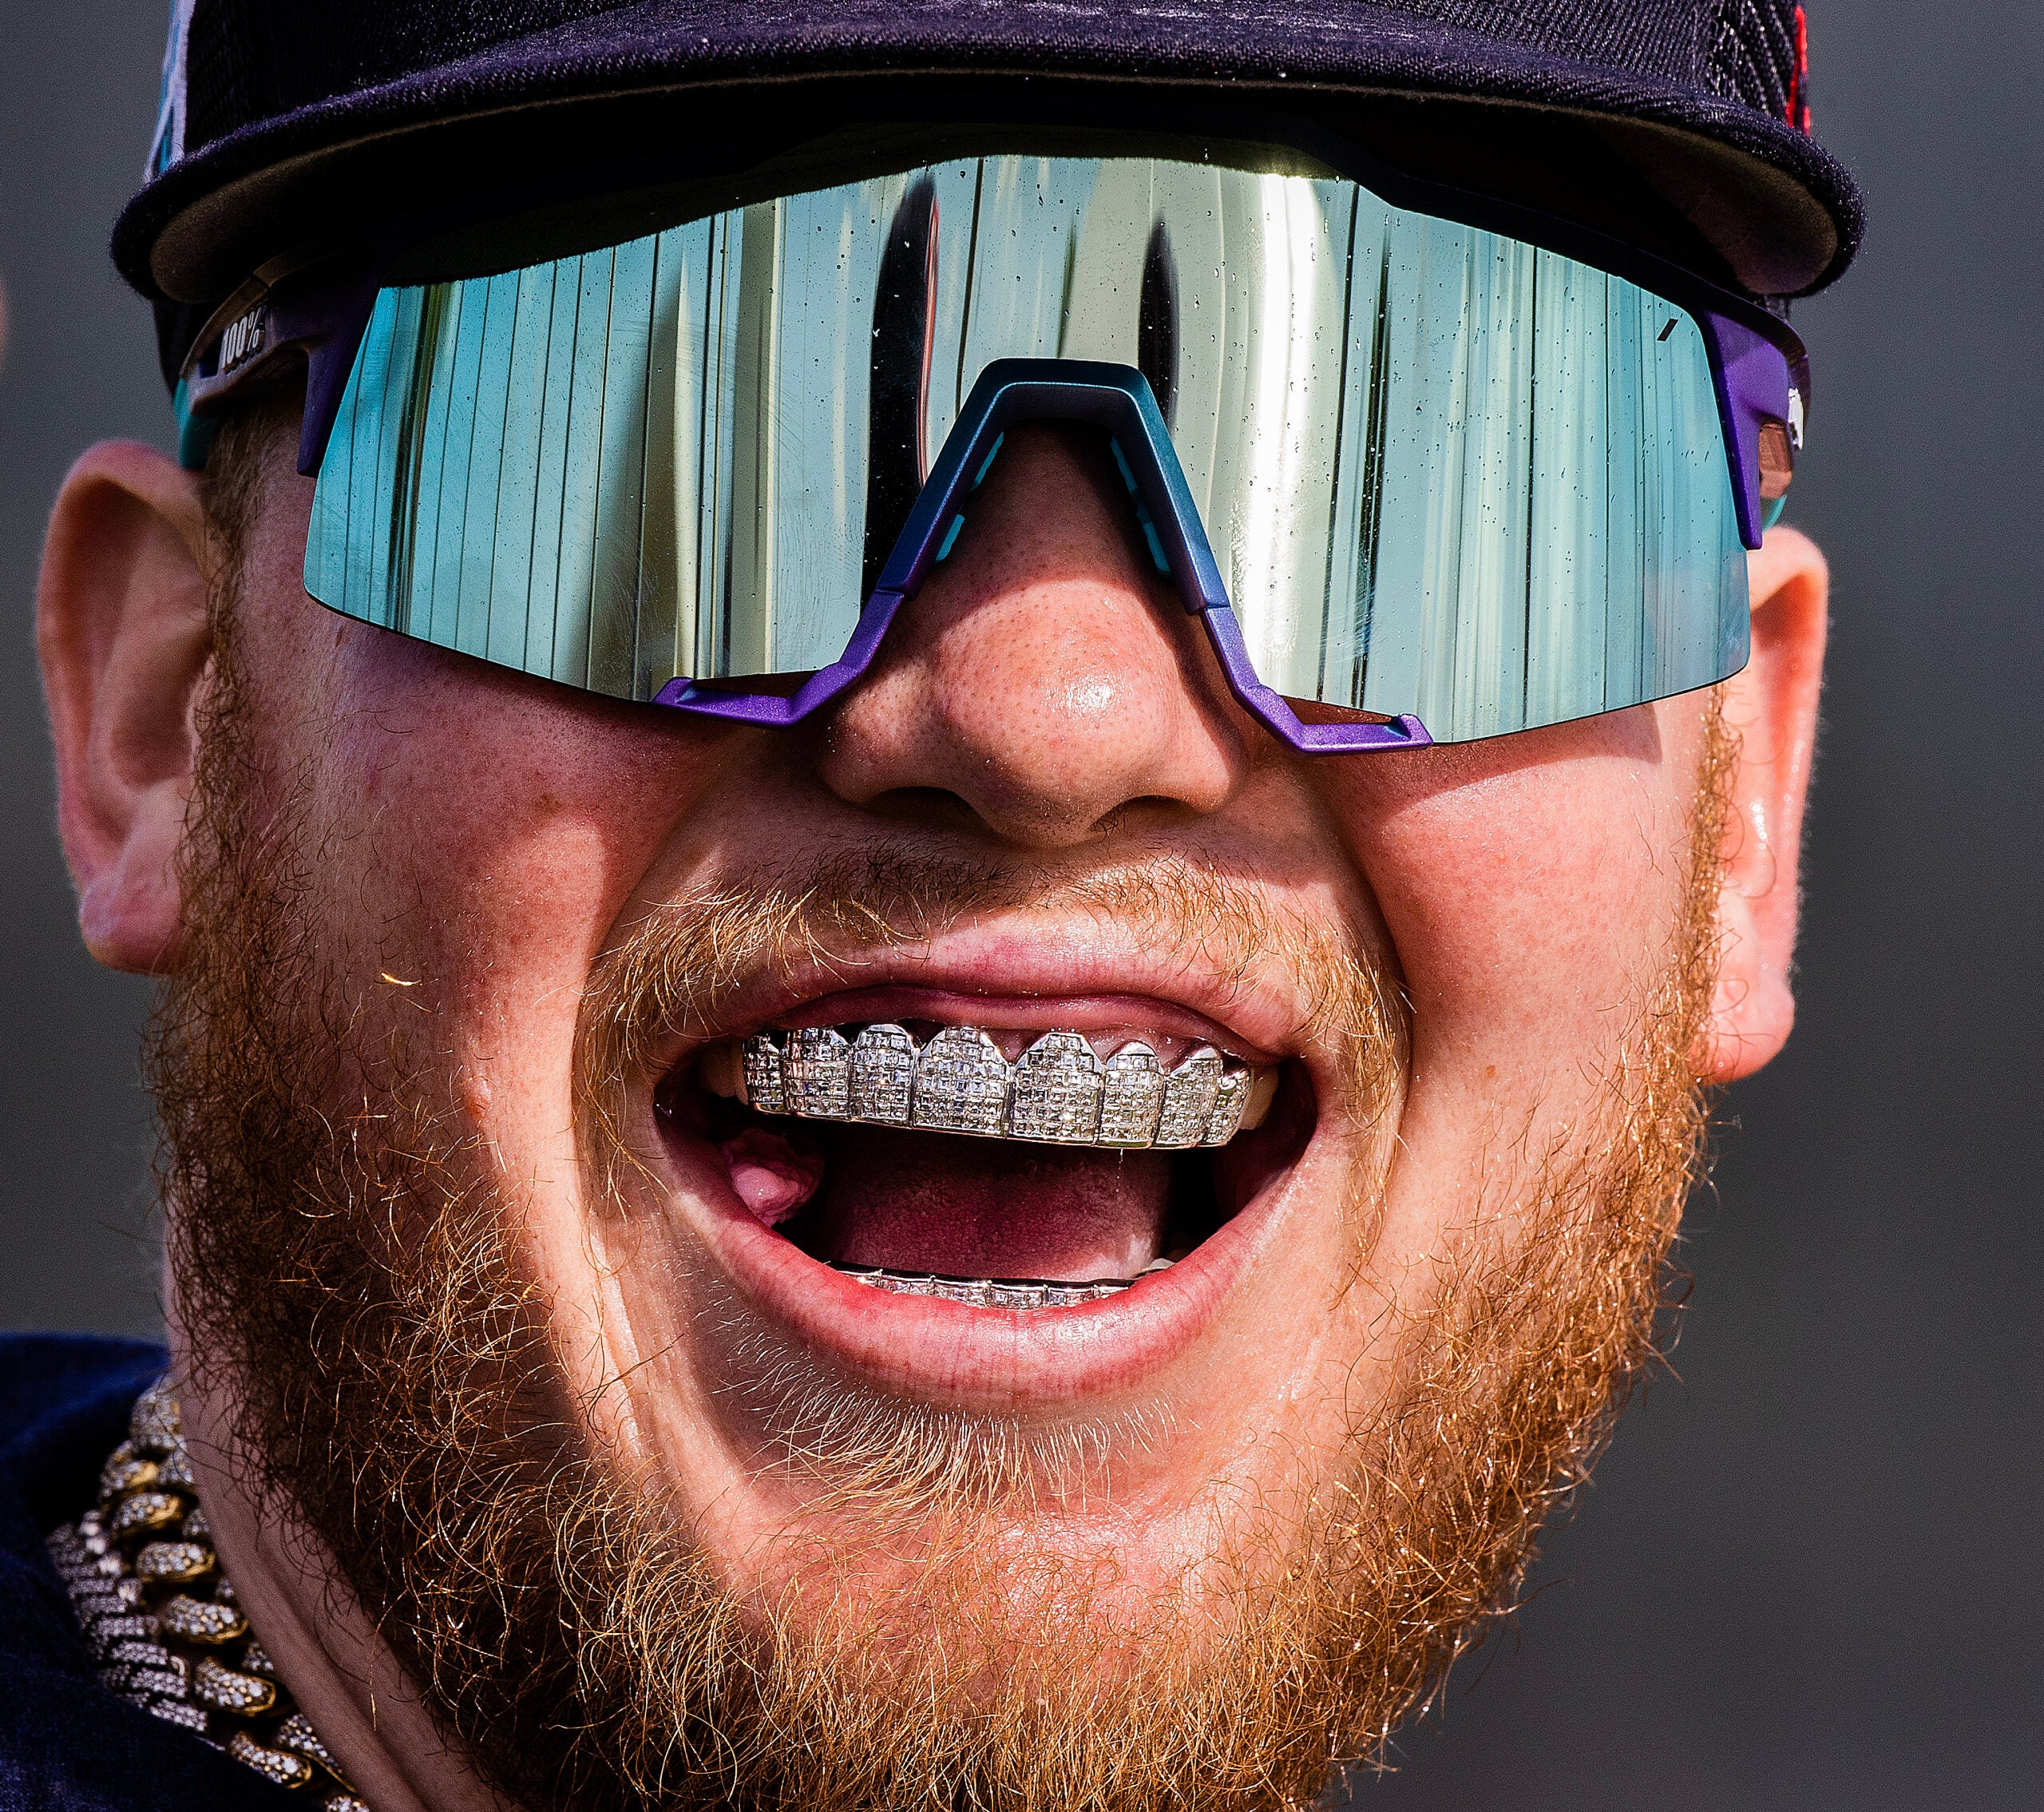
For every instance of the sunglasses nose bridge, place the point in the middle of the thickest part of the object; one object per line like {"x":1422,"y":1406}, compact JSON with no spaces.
{"x":1042,"y":675}
{"x":1118,"y":400}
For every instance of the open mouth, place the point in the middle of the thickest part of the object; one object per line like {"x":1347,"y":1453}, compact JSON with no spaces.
{"x":1013,"y":1169}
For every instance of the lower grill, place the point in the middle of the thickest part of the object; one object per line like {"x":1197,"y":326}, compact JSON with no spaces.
{"x":1020,"y":1294}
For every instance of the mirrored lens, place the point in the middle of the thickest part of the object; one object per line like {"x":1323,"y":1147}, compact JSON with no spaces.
{"x":1442,"y":472}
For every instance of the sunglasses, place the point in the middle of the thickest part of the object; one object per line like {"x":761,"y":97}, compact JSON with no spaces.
{"x":1427,"y":468}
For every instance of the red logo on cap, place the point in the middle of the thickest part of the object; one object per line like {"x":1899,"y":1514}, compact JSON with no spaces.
{"x":1798,"y":109}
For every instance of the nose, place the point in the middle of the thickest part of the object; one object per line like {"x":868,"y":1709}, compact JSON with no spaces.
{"x":1046,"y":676}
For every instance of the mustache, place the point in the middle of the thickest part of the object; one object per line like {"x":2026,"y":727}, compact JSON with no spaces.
{"x":679,"y":966}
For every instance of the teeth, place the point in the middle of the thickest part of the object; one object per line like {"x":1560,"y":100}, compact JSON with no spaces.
{"x":1058,"y":1092}
{"x":1230,"y":1099}
{"x":763,"y":1084}
{"x":1189,"y":1099}
{"x":1017,"y":1294}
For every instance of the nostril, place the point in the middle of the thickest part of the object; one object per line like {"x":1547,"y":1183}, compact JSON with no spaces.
{"x":936,"y":806}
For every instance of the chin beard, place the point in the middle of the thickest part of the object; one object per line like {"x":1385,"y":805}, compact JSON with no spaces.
{"x":346,"y":1279}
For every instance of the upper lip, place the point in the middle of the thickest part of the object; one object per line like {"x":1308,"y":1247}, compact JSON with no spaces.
{"x":1008,"y":978}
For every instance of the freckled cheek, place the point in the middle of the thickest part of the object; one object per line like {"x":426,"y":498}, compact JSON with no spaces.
{"x":477,"y":834}
{"x":463,"y":863}
{"x":1528,"y":920}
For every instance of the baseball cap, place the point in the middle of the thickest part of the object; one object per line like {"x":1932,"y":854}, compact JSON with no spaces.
{"x":1682,"y":123}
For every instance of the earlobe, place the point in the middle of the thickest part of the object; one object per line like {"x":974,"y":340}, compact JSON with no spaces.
{"x":1771,"y":709}
{"x":124,"y":636}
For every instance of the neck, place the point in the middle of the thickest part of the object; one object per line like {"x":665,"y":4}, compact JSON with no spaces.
{"x":346,"y":1681}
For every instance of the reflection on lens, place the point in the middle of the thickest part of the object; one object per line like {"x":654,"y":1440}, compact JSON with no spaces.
{"x":1441,"y":471}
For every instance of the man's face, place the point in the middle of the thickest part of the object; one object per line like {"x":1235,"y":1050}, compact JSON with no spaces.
{"x":482,"y":945}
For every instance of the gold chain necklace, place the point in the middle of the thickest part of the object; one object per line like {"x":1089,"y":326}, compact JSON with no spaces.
{"x":161,"y":1620}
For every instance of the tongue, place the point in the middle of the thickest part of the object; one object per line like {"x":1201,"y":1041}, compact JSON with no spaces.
{"x":969,"y":1208}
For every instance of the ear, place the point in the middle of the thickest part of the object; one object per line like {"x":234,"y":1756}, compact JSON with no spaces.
{"x":1772,"y":707}
{"x":124,"y":639}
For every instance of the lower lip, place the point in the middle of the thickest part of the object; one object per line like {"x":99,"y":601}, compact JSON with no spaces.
{"x":987,"y":1359}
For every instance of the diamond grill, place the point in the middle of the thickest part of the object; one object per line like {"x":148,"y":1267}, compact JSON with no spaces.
{"x":1017,"y":1293}
{"x":764,"y":1086}
{"x":817,"y":1067}
{"x":1230,"y":1099}
{"x":1134,"y":1093}
{"x":1189,"y":1098}
{"x":883,"y":1075}
{"x":961,"y":1084}
{"x":1058,"y":1092}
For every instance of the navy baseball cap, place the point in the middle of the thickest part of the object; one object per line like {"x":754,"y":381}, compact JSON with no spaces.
{"x":1684,"y":125}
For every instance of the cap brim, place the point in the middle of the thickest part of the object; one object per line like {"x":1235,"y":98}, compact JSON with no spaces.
{"x":1785,"y":215}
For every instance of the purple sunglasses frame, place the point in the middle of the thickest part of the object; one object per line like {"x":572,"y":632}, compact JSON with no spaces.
{"x":320,"y":310}
{"x":1009,"y":393}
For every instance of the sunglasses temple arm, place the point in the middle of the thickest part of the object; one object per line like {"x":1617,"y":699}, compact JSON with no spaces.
{"x":331,"y":347}
{"x":1751,"y":376}
{"x":311,"y":315}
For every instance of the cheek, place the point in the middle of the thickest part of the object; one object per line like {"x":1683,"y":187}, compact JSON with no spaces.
{"x":1531,"y":903}
{"x":479,"y":835}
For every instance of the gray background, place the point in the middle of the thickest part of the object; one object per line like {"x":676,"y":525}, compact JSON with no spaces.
{"x":1806,"y":1576}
